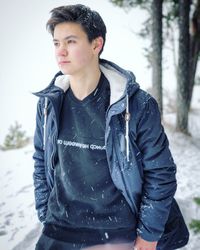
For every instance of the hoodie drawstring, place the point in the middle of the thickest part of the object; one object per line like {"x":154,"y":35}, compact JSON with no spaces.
{"x":127,"y":119}
{"x":45,"y":121}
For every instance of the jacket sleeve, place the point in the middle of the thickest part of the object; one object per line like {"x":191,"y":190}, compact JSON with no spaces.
{"x":159,"y":172}
{"x":41,"y":190}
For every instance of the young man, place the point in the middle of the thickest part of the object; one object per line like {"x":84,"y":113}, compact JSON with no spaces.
{"x":104,"y":176}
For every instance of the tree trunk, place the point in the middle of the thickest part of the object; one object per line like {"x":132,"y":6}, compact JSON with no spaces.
{"x":157,"y":51}
{"x":194,"y":48}
{"x":183,"y":67}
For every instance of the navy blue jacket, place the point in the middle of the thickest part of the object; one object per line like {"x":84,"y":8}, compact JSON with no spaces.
{"x":140,"y":162}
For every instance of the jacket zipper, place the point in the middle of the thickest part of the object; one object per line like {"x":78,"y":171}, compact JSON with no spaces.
{"x":54,"y":136}
{"x":52,"y":159}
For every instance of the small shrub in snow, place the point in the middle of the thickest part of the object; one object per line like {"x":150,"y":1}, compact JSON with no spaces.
{"x":195,"y":224}
{"x":16,"y":138}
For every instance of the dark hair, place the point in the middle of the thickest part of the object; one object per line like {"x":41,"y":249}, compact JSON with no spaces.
{"x":90,"y":20}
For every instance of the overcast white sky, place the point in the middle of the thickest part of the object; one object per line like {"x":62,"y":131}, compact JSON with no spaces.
{"x":27,"y":61}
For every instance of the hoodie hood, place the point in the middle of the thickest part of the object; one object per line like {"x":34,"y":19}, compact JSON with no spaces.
{"x":122,"y":82}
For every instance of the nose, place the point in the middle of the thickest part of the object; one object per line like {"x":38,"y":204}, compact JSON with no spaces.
{"x":61,"y":51}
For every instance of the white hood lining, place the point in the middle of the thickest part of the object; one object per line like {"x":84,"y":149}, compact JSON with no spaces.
{"x":117,"y":83}
{"x":62,"y":82}
{"x":116,"y":80}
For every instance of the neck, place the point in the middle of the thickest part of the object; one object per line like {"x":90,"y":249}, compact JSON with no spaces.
{"x":83,"y":84}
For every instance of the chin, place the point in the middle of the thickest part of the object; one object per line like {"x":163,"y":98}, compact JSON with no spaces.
{"x":64,"y":71}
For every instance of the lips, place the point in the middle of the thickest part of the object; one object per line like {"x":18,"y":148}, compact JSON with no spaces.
{"x":63,"y":62}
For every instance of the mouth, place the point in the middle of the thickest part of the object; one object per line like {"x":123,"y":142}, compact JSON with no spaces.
{"x":63,"y":62}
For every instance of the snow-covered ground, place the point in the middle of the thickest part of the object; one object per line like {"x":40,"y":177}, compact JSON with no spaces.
{"x":19,"y":227}
{"x":186,"y":152}
{"x":17,"y":214}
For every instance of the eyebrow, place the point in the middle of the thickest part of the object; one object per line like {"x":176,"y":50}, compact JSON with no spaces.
{"x":66,"y":38}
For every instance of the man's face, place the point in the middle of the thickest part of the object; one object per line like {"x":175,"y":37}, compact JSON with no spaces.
{"x":74,"y":53}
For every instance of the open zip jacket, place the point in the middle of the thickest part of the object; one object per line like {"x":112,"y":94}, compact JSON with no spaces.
{"x":139,"y":159}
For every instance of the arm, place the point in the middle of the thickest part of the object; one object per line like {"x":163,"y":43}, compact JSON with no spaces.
{"x":159,"y":174}
{"x":39,"y":177}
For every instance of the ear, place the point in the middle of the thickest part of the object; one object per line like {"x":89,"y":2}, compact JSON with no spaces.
{"x":98,"y":44}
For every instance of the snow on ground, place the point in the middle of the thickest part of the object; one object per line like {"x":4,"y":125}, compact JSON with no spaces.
{"x":186,"y":153}
{"x":19,"y":227}
{"x":17,"y":213}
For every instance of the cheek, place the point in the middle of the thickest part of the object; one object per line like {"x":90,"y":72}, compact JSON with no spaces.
{"x":82,"y":56}
{"x":56,"y":53}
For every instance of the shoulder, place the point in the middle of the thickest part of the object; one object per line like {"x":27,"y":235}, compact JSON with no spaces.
{"x":141,"y":102}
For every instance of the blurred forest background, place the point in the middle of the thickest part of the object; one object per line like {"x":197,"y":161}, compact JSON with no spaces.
{"x":164,"y":18}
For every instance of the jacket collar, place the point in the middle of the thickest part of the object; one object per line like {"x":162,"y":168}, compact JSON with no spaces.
{"x":122,"y":82}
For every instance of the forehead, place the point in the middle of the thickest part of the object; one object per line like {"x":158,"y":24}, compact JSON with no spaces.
{"x":68,"y":29}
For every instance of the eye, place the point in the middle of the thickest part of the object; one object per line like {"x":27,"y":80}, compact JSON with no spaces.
{"x":56,"y":44}
{"x":71,"y":41}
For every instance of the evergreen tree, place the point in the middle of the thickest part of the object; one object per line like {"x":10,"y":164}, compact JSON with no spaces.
{"x":183,"y":67}
{"x":154,"y":8}
{"x":156,"y":13}
{"x":195,"y":224}
{"x":16,"y":138}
